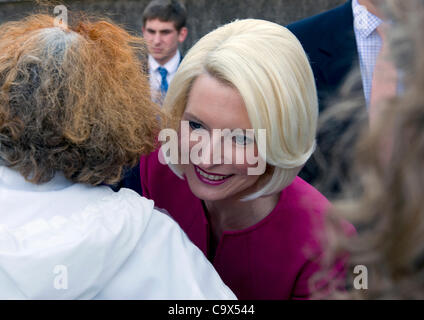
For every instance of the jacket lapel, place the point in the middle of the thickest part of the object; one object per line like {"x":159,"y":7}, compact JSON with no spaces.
{"x":338,"y":49}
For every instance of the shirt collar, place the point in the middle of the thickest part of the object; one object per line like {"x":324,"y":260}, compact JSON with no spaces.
{"x":171,"y":66}
{"x":364,"y":22}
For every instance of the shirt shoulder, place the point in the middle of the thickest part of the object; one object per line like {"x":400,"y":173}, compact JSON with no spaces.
{"x":91,"y":233}
{"x":300,"y":196}
{"x":166,"y":265}
{"x":306,"y":210}
{"x":299,"y":217}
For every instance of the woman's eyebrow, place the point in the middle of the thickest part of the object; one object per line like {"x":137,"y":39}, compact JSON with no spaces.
{"x":193,"y":117}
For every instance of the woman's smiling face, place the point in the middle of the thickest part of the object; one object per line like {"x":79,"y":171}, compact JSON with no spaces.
{"x":214,"y":105}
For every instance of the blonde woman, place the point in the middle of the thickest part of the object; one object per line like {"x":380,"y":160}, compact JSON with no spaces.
{"x":74,"y":110}
{"x":258,"y":228}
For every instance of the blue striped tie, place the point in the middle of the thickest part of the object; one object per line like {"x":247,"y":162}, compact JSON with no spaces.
{"x":164,"y":84}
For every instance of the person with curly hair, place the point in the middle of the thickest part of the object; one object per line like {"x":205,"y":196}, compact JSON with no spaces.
{"x":385,"y":198}
{"x":75,"y":110}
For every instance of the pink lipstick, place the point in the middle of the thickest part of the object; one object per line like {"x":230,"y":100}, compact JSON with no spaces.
{"x":211,"y":178}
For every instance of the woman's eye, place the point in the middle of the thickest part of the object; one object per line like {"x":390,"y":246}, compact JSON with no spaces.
{"x":242,"y":140}
{"x":194,"y":125}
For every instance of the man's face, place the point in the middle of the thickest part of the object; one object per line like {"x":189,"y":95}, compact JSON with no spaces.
{"x":162,"y":39}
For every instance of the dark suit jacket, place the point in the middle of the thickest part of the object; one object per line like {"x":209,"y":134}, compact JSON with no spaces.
{"x":329,"y":41}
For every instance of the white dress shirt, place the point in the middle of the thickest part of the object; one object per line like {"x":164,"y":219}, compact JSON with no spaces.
{"x":368,"y":42}
{"x":64,"y":240}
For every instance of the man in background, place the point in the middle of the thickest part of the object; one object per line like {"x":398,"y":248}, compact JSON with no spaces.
{"x":338,"y":41}
{"x":164,"y":28}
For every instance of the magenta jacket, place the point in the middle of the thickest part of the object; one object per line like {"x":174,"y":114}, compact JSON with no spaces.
{"x":272,"y":259}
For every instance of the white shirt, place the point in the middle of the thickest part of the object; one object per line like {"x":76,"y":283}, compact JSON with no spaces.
{"x":63,"y":240}
{"x":368,"y":42}
{"x":154,"y":76}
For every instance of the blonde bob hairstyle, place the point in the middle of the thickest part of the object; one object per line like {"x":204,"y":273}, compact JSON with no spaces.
{"x":268,"y":66}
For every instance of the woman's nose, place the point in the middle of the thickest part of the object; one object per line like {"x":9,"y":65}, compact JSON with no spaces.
{"x":209,"y":150}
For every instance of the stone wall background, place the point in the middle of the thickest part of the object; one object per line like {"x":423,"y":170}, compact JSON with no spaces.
{"x":203,"y":15}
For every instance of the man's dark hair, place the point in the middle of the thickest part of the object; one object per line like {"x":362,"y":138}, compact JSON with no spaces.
{"x":166,"y":10}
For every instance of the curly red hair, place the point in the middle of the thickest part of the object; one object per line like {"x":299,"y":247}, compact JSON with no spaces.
{"x":73,"y":100}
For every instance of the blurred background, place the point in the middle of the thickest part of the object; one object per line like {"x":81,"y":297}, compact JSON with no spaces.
{"x":203,"y":15}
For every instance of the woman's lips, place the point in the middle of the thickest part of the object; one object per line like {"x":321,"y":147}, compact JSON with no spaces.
{"x":211,"y":178}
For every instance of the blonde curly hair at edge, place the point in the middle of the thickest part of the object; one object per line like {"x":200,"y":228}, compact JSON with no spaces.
{"x":73,"y":100}
{"x":268,"y":66}
{"x":385,"y":201}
